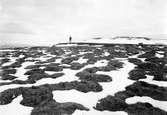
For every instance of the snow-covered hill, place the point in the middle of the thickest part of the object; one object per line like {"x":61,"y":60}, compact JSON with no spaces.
{"x":127,"y":40}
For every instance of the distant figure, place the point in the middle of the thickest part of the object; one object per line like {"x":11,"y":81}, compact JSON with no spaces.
{"x":70,"y":39}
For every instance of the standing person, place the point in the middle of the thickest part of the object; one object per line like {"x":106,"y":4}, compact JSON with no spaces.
{"x":70,"y":39}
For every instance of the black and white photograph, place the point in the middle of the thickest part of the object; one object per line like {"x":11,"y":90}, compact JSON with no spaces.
{"x":83,"y":57}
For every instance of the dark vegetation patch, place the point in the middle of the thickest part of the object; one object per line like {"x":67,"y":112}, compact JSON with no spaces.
{"x":148,"y":54}
{"x":117,"y":102}
{"x":8,"y":95}
{"x":52,"y":67}
{"x":141,"y":88}
{"x":33,"y":78}
{"x":4,"y":60}
{"x":91,"y":70}
{"x":137,"y":74}
{"x":35,"y":95}
{"x":55,"y":108}
{"x":18,"y":63}
{"x":33,"y":71}
{"x":36,"y":66}
{"x":83,"y":86}
{"x":7,"y":71}
{"x":144,"y":109}
{"x":69,"y":60}
{"x":84,"y":75}
{"x":112,"y":103}
{"x":76,"y":66}
{"x":135,"y":61}
{"x":41,"y":97}
{"x":112,"y":65}
{"x":155,"y":67}
{"x":55,"y":51}
{"x":7,"y":77}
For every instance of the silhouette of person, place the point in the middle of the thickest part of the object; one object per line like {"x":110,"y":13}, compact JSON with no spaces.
{"x":70,"y":39}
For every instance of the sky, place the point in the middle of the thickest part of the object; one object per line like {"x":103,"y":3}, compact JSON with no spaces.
{"x":47,"y":22}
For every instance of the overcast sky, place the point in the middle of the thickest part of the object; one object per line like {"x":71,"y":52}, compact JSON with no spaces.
{"x":43,"y":22}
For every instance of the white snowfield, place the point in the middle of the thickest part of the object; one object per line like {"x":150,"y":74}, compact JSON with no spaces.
{"x":127,"y":41}
{"x":119,"y":82}
{"x":15,"y":108}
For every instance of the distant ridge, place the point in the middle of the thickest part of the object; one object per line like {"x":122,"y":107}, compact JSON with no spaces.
{"x":131,"y":38}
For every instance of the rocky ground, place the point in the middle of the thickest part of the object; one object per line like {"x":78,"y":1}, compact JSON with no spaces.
{"x":85,"y":79}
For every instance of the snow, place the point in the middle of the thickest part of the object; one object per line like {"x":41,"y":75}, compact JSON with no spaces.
{"x":87,"y":99}
{"x":12,"y":60}
{"x":101,"y":63}
{"x":81,"y":60}
{"x":159,"y":55}
{"x":106,"y":53}
{"x":126,"y":41}
{"x":12,"y":86}
{"x":68,"y":77}
{"x":20,"y":71}
{"x":21,"y":56}
{"x":155,"y":103}
{"x":15,"y":108}
{"x":6,"y":50}
{"x":150,"y":80}
{"x":120,"y":81}
{"x":94,"y":112}
{"x":70,"y":44}
{"x":58,"y":60}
